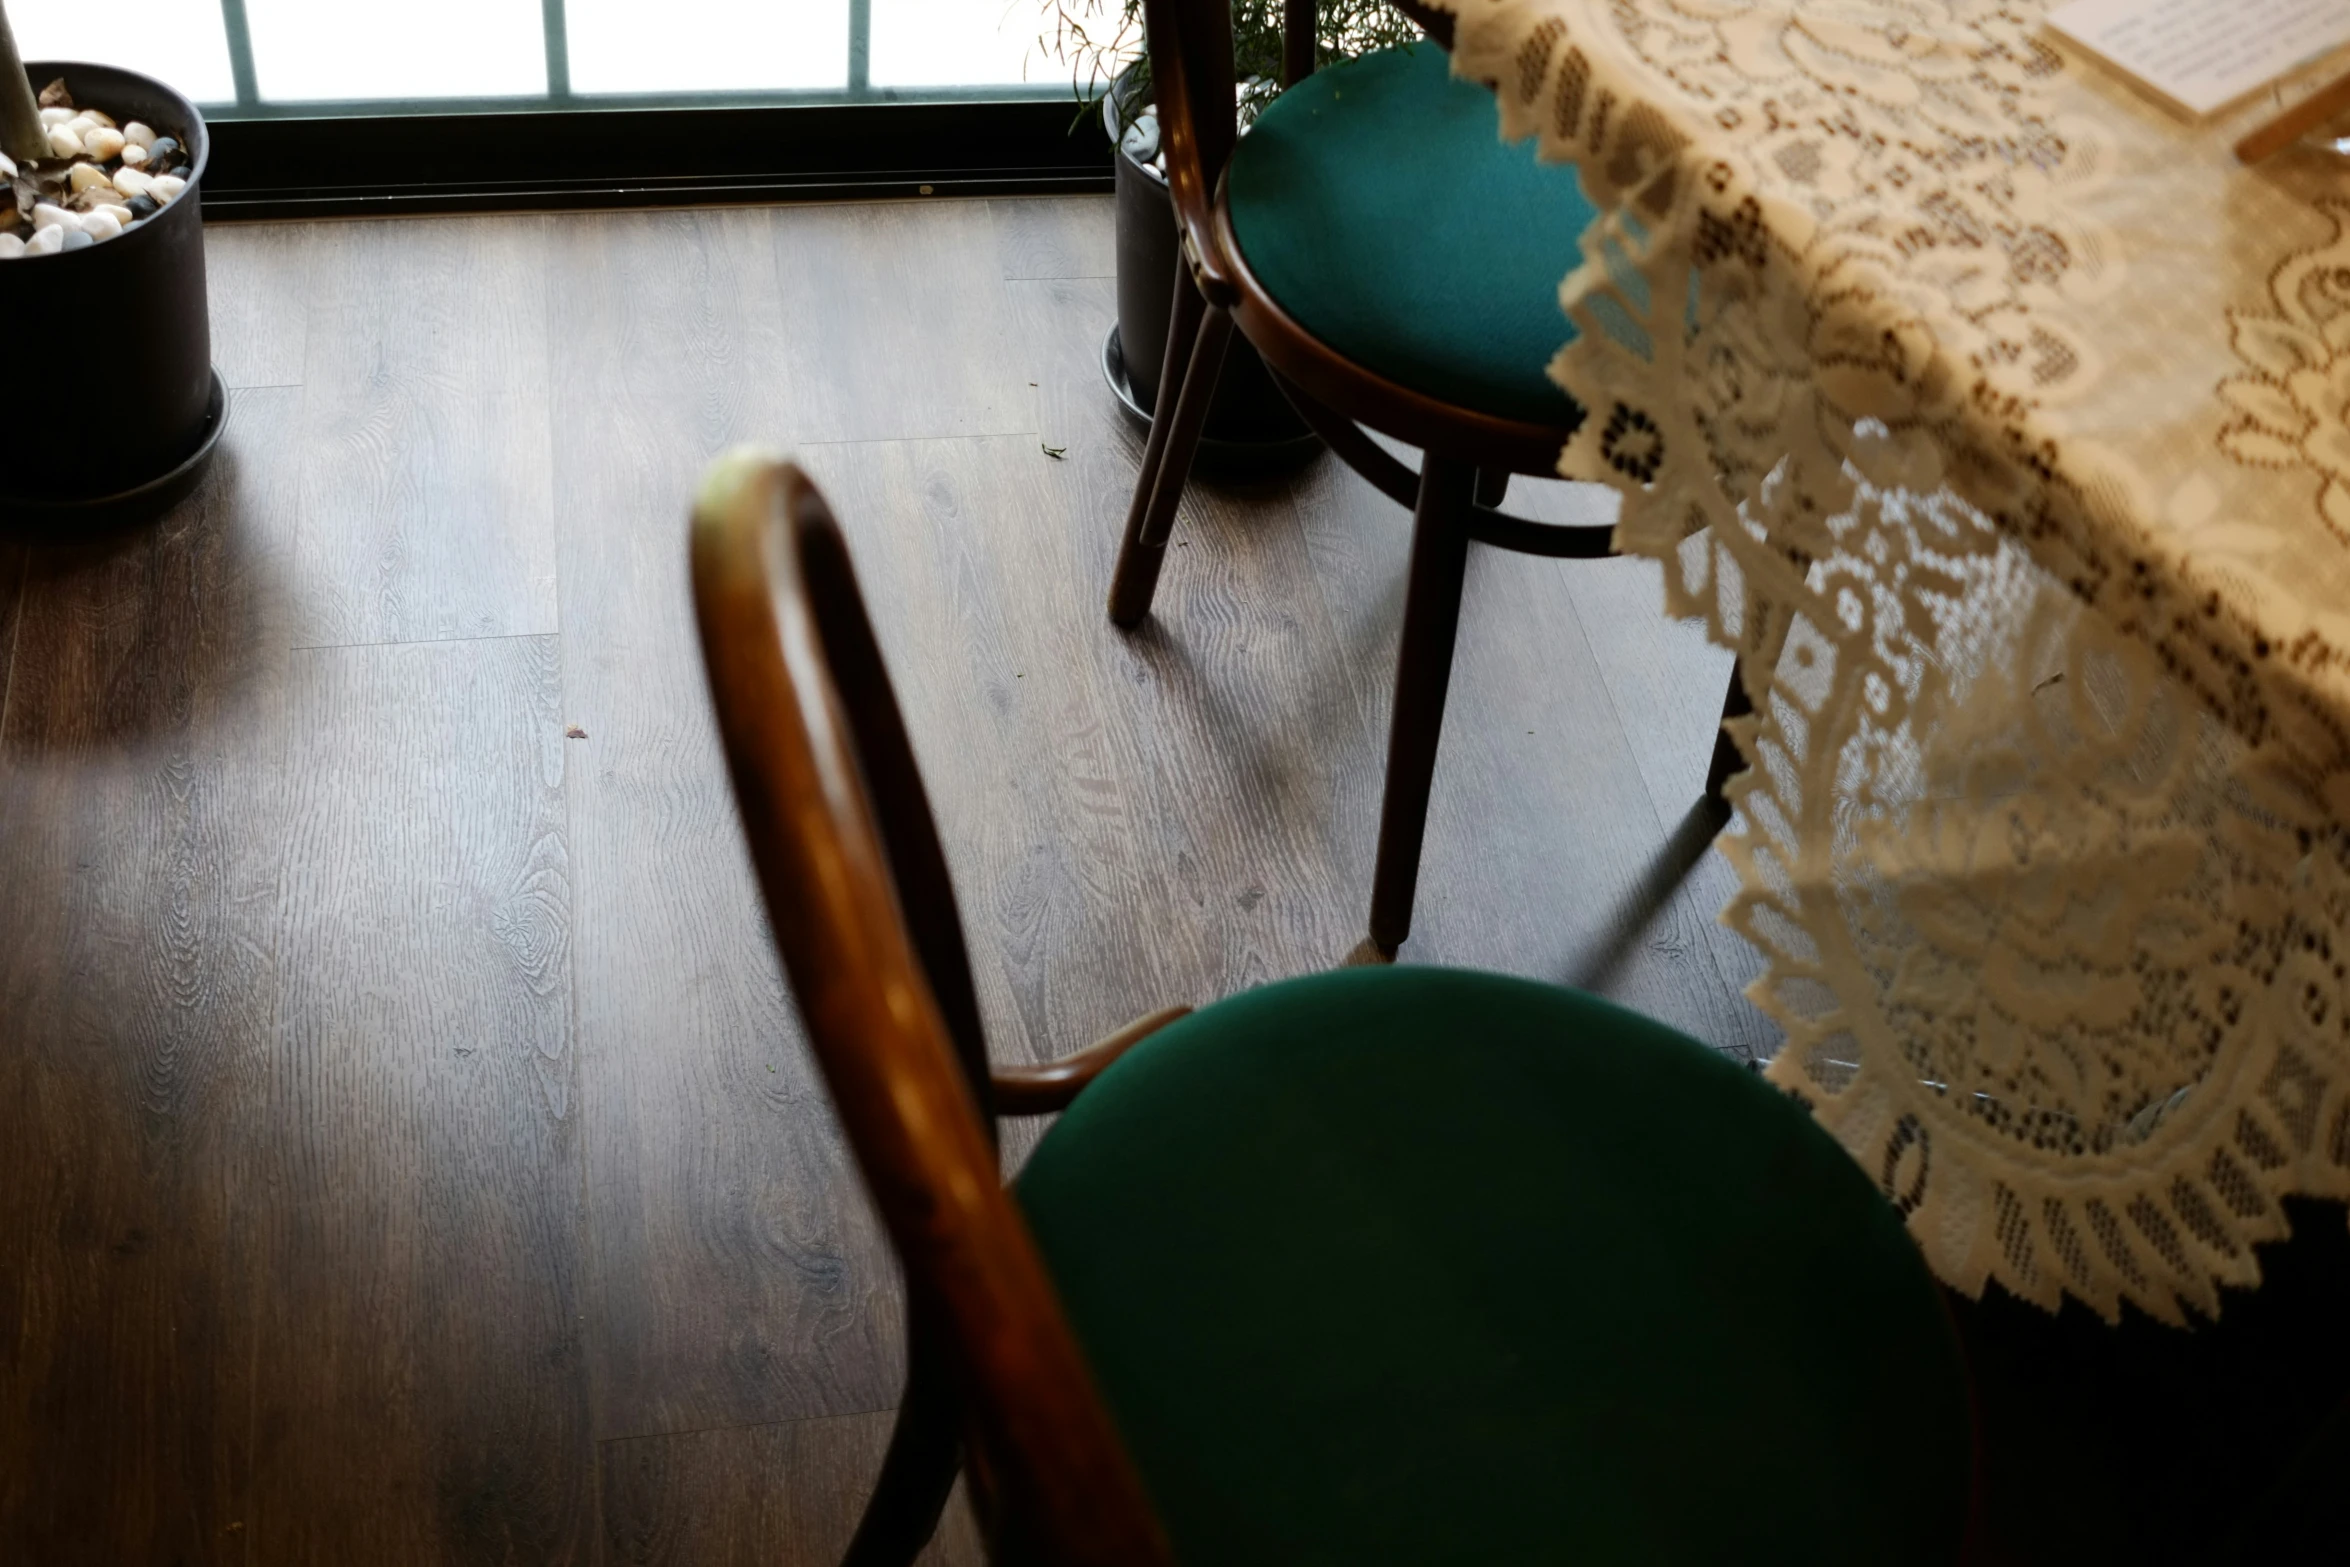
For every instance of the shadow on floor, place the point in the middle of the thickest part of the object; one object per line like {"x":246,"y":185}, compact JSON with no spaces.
{"x":2226,"y":1442}
{"x":1667,"y":868}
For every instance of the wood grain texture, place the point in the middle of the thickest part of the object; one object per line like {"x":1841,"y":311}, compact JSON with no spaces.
{"x":785,"y":1495}
{"x":12,"y":568}
{"x":423,"y":1394}
{"x":1667,"y":680}
{"x":1544,"y":848}
{"x":1237,"y":741}
{"x":428,"y":488}
{"x":893,"y":324}
{"x":359,"y":1031}
{"x":1055,"y":236}
{"x":863,"y":908}
{"x":1052,"y":847}
{"x":257,"y":277}
{"x":139,"y":804}
{"x":1545,"y":853}
{"x":740,"y":1277}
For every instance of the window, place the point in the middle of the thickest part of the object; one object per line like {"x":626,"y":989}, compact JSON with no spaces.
{"x":325,"y":107}
{"x":243,"y":59}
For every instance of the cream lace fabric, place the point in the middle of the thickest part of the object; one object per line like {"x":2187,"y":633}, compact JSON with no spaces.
{"x":2002,"y":423}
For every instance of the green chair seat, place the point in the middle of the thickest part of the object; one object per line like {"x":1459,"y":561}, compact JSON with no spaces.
{"x":1377,"y":204}
{"x":1421,"y":1265}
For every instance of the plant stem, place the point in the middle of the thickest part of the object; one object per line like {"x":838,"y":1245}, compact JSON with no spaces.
{"x":21,"y":135}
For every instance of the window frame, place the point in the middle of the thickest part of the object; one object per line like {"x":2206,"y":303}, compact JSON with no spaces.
{"x":295,"y":165}
{"x":567,"y":151}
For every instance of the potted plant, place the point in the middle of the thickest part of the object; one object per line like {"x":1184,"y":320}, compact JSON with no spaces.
{"x":102,"y":279}
{"x":1250,"y":427}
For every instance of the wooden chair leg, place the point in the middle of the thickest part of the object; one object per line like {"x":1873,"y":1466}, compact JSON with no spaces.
{"x":1727,"y":763}
{"x":1183,"y":319}
{"x":1196,"y":337}
{"x":1423,"y":671}
{"x":1493,"y":487}
{"x":918,"y":1473}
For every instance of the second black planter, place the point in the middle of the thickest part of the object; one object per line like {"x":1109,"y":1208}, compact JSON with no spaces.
{"x":111,"y":403}
{"x":1251,"y":428}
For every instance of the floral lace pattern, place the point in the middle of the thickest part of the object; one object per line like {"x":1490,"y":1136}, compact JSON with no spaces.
{"x":2293,"y":404}
{"x":2002,"y":425}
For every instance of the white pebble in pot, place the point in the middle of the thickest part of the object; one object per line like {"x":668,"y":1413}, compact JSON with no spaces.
{"x":138,"y":135}
{"x":103,"y":143}
{"x":46,"y":242}
{"x":132,"y":183}
{"x":87,"y":176}
{"x":167,"y":186}
{"x":52,"y":118}
{"x":47,"y":215}
{"x":10,"y":247}
{"x":101,"y":224}
{"x":133,"y":155}
{"x":64,"y":143}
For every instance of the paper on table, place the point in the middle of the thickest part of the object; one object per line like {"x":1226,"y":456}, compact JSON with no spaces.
{"x":2203,"y":54}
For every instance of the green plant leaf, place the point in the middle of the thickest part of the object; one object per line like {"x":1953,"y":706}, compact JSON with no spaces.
{"x":1099,"y":44}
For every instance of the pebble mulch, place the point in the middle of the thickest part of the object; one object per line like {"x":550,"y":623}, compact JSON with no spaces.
{"x":101,"y":179}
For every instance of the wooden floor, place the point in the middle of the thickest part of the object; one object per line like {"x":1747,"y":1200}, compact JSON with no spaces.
{"x":408,"y":1154}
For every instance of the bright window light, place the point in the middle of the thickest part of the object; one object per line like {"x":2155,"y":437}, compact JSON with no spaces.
{"x":416,"y":52}
{"x":961,"y":43}
{"x":309,"y":50}
{"x":637,"y":46}
{"x":178,"y":42}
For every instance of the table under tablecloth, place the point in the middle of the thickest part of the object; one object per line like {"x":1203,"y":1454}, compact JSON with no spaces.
{"x":2001,"y":421}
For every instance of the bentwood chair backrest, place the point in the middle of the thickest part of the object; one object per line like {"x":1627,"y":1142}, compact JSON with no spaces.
{"x":1191,"y":72}
{"x":856,"y":887}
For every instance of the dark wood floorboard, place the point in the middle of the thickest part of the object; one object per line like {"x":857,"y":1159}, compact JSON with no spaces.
{"x":1545,"y":854}
{"x":1054,"y":237}
{"x":893,"y":324}
{"x":739,"y":1276}
{"x":1667,"y":681}
{"x":12,"y":567}
{"x":259,"y":285}
{"x":414,"y":1157}
{"x":428,"y":493}
{"x":1075,"y":768}
{"x":423,"y":1393}
{"x":1006,"y":707}
{"x":755,"y":1496}
{"x":1240,"y":740}
{"x":140,"y":805}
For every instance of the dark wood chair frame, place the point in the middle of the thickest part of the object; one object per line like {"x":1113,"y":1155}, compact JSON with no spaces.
{"x":857,"y":891}
{"x":1469,"y":457}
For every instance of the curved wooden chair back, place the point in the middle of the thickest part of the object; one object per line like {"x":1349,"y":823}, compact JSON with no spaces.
{"x":1191,"y":71}
{"x":1470,"y":453}
{"x":856,"y":888}
{"x":1193,"y":80}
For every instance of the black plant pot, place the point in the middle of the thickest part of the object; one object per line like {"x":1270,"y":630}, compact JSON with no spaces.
{"x":1251,"y":428}
{"x":125,"y":410}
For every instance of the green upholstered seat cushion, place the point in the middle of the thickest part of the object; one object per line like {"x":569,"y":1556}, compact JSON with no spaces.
{"x":1376,"y":202}
{"x":1421,"y":1265}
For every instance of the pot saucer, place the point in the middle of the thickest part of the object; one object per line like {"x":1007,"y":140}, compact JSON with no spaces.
{"x":1217,"y":459}
{"x":59,"y":519}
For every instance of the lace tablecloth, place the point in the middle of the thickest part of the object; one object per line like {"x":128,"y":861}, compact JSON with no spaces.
{"x":2001,"y":422}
